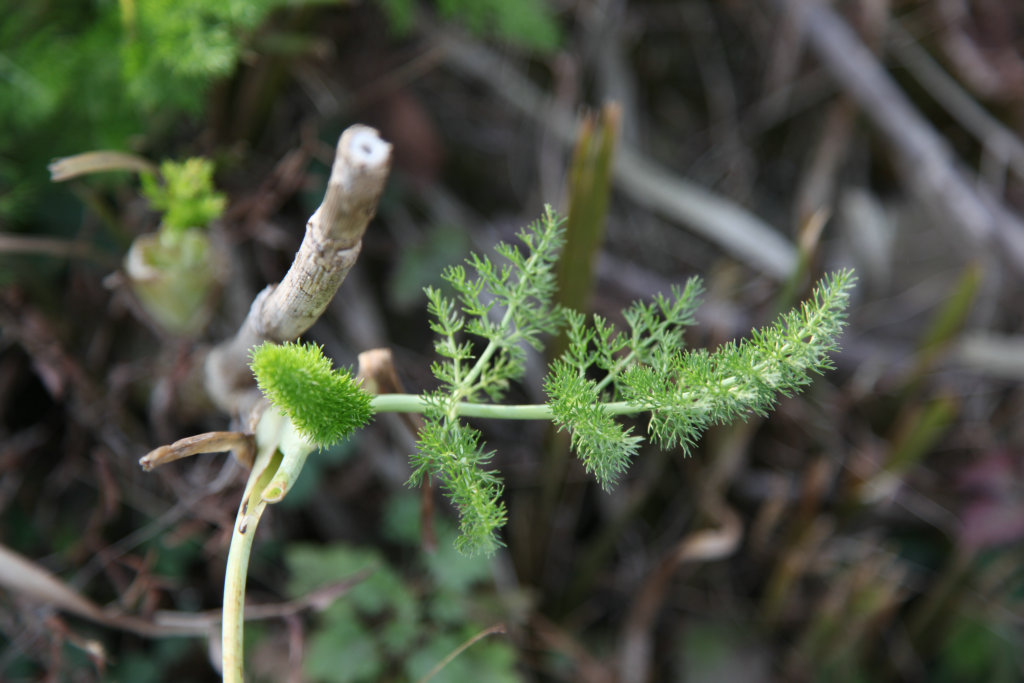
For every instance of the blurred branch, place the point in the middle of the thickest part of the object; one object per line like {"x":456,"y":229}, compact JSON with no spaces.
{"x":996,"y":138}
{"x":928,"y":165}
{"x":23,"y":577}
{"x":29,"y":580}
{"x":54,"y":246}
{"x":999,"y":356}
{"x":714,"y":218}
{"x":490,"y":630}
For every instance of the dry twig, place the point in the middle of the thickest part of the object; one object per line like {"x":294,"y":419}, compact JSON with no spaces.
{"x":333,"y":239}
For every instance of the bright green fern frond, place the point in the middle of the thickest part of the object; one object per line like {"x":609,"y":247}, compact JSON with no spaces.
{"x":604,"y":446}
{"x":580,"y":405}
{"x":502,"y":307}
{"x":701,"y":388}
{"x":325,"y":405}
{"x":685,"y":391}
{"x":450,"y":451}
{"x":506,"y":305}
{"x":604,"y":374}
{"x":659,"y":325}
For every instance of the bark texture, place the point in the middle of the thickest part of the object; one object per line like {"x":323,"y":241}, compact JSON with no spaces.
{"x":330,"y":247}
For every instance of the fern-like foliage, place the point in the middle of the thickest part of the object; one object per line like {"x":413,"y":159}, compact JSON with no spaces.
{"x":495,"y":310}
{"x":579,"y":403}
{"x":685,"y":391}
{"x":505,"y":306}
{"x":603,"y":374}
{"x":692,"y":390}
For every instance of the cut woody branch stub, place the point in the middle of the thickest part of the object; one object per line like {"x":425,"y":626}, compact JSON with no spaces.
{"x":330,"y":247}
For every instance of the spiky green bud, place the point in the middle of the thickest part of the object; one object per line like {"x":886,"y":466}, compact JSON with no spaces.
{"x":326,"y":405}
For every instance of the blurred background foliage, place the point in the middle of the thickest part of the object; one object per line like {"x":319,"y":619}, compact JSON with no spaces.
{"x":869,"y":530}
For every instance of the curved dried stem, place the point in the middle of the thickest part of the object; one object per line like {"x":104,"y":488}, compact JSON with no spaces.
{"x":329,"y":249}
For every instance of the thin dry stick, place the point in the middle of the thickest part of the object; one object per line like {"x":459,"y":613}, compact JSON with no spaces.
{"x":929,"y":166}
{"x":490,"y":630}
{"x":55,"y":247}
{"x":99,"y":161}
{"x":331,"y":245}
{"x":242,"y":445}
{"x":24,"y":578}
{"x":945,"y":89}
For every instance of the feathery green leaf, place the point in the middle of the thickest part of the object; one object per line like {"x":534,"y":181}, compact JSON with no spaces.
{"x":498,"y":308}
{"x":505,"y":306}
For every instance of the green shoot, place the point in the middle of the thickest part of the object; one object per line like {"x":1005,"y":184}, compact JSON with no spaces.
{"x":506,"y":306}
{"x":186,"y":195}
{"x":482,"y":330}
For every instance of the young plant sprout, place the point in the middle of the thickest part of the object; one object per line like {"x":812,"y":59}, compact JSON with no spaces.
{"x":494,"y":311}
{"x":604,"y":374}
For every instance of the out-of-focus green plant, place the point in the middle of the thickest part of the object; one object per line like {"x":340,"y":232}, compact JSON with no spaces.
{"x":173,"y":50}
{"x":482,"y":333}
{"x":390,"y":628}
{"x":175,"y":271}
{"x":980,"y":648}
{"x":88,"y":75}
{"x":589,"y":191}
{"x":527,"y":24}
{"x":186,"y":197}
{"x":104,"y":75}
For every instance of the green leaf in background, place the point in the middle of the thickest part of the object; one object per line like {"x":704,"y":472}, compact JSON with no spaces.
{"x":313,"y":566}
{"x":418,"y":266}
{"x":980,"y":650}
{"x":342,"y":650}
{"x":528,"y":24}
{"x":386,"y":620}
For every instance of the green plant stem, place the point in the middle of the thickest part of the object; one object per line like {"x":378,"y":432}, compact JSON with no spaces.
{"x":233,"y":624}
{"x":469,"y":381}
{"x":268,"y":460}
{"x":415,"y":403}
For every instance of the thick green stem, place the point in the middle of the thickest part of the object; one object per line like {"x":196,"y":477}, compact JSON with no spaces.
{"x":268,"y":460}
{"x":233,"y":624}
